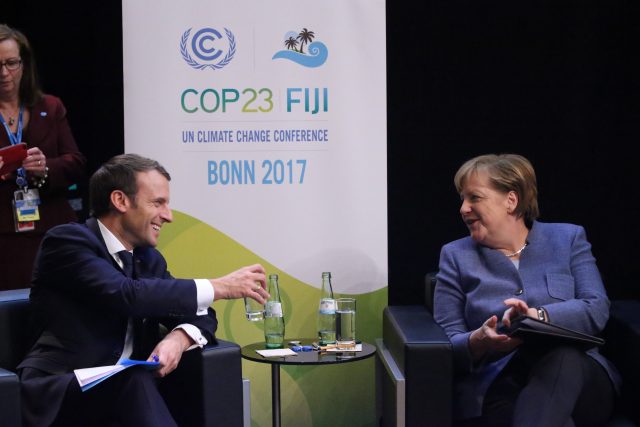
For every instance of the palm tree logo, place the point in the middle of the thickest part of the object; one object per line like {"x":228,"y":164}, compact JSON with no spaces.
{"x":305,"y":36}
{"x":291,"y":43}
{"x":316,"y":53}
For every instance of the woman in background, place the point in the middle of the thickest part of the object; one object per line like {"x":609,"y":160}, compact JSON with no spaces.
{"x":53,"y":161}
{"x":513,"y":265}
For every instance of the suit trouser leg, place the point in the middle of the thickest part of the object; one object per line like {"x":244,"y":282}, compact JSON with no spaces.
{"x":127,"y":399}
{"x":131,"y":398}
{"x":559,"y":387}
{"x":565,"y":387}
{"x":141,"y":403}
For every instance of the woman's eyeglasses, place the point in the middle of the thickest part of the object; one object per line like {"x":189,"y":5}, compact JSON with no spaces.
{"x":11,"y":64}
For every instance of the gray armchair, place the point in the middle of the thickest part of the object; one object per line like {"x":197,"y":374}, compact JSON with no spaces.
{"x":205,"y":390}
{"x":416,"y":369}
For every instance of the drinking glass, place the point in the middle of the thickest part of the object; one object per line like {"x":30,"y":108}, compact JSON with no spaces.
{"x":253,"y":309}
{"x":345,"y":323}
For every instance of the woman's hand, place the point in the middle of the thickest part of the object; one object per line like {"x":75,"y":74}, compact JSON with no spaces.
{"x":516,"y":308}
{"x":486,"y":339}
{"x":35,"y":162}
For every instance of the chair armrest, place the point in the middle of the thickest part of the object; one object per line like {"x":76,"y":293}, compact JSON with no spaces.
{"x":206,"y":388}
{"x":622,"y":347}
{"x":422,"y":351}
{"x":9,"y":399}
{"x":429,"y":290}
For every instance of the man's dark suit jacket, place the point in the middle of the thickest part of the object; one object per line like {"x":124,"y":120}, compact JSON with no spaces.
{"x":82,"y":301}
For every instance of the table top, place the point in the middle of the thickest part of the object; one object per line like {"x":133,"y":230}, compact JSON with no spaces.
{"x":307,"y":357}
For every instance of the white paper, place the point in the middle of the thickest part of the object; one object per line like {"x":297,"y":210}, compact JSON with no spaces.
{"x":336,"y":349}
{"x":89,"y":377}
{"x":278,"y":352}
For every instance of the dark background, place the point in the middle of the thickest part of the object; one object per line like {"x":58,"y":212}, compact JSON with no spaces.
{"x":555,"y":81}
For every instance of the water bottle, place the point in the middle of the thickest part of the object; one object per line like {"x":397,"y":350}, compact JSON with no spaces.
{"x":326,"y":312}
{"x":273,"y":318}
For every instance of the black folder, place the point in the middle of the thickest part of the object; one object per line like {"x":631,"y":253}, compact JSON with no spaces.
{"x":532,"y":330}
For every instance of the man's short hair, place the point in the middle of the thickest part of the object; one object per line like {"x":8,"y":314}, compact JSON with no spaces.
{"x":119,"y":173}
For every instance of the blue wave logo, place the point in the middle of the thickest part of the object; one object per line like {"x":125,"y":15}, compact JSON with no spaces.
{"x":208,"y":45}
{"x":316,"y":54}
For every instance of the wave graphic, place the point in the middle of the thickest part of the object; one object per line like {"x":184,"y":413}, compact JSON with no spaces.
{"x":194,"y":248}
{"x":316,"y":55}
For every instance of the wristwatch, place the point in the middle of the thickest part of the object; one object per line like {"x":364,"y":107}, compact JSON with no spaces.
{"x":542,"y":314}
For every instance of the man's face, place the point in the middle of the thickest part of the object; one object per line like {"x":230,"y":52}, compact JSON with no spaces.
{"x":149,"y":210}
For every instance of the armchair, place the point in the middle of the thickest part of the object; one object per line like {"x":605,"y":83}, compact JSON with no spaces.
{"x":416,"y":368}
{"x":205,"y":390}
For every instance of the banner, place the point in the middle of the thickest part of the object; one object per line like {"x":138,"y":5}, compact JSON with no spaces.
{"x":271,"y":119}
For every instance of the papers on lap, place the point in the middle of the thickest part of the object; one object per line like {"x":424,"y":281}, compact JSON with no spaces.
{"x":89,"y":377}
{"x":533,"y":330}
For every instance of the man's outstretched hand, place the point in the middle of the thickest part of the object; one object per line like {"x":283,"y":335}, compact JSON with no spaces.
{"x":249,"y":281}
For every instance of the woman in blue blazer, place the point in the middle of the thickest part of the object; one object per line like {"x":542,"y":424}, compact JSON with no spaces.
{"x":510,"y":265}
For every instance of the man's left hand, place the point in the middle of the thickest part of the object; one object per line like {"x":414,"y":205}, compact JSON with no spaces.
{"x":169,"y":351}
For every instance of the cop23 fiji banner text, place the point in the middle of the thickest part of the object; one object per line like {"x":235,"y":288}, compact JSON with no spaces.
{"x":271,"y":118}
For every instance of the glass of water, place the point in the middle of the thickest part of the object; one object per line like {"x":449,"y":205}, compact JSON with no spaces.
{"x":345,"y":323}
{"x":253,"y":309}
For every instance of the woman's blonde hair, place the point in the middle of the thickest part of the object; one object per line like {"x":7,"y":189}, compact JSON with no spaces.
{"x":506,"y":172}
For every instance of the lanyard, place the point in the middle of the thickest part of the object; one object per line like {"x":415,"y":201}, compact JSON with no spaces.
{"x":21,"y":179}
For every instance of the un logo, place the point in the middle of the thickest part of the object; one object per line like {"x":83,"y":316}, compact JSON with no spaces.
{"x":209,"y":47}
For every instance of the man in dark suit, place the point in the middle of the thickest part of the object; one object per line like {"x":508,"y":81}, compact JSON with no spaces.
{"x":100,"y":289}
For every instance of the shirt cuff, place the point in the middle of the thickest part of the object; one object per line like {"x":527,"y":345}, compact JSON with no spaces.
{"x":205,"y":294}
{"x":194,"y":333}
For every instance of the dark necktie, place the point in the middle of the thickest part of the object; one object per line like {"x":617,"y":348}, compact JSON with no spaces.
{"x":127,"y":263}
{"x":138,"y":324}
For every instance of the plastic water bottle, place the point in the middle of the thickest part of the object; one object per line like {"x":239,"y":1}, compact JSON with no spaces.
{"x":326,"y":312}
{"x":273,"y":316}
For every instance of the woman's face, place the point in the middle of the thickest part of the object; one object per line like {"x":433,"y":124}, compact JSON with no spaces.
{"x":485,"y":210}
{"x":9,"y":80}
